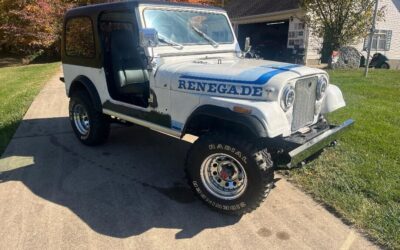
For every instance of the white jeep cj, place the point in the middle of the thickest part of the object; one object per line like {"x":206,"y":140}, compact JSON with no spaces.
{"x":178,"y":69}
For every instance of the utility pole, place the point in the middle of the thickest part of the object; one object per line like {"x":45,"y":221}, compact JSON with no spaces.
{"x":371,"y":35}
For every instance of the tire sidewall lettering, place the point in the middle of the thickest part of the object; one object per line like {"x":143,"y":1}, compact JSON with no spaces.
{"x":236,"y":153}
{"x":246,"y":154}
{"x":233,"y":151}
{"x":215,"y":204}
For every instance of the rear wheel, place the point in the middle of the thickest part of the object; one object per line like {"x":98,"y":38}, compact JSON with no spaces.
{"x":90,"y":126}
{"x":229,"y":174}
{"x":385,"y":66}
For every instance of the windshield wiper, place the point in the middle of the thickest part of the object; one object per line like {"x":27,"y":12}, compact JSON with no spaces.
{"x":169,"y":42}
{"x":205,"y":36}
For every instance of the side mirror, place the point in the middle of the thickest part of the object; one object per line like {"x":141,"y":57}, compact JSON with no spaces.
{"x":247,"y":45}
{"x":149,"y":38}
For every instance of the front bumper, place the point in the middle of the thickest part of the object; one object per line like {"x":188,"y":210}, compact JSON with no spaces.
{"x":314,"y":144}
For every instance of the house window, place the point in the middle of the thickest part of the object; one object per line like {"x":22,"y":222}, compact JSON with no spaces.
{"x":79,"y":39}
{"x":380,"y":41}
{"x":299,"y":26}
{"x":296,"y":35}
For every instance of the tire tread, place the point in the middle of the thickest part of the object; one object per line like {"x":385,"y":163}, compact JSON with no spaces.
{"x":262,"y":159}
{"x":100,"y":125}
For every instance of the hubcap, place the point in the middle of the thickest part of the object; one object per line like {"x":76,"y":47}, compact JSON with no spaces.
{"x":81,"y":119}
{"x":223,"y":176}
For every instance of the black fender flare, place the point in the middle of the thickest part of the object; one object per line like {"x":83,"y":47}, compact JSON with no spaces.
{"x":90,"y":88}
{"x":252,"y":123}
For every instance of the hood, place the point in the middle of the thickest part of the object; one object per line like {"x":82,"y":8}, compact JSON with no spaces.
{"x":244,"y":78}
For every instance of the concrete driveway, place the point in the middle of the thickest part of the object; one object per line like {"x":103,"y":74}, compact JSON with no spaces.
{"x":131,"y":193}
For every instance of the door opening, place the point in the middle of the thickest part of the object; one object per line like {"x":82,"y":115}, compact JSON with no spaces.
{"x":127,"y":76}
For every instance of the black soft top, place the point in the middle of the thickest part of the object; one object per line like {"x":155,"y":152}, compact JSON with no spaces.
{"x":95,"y":9}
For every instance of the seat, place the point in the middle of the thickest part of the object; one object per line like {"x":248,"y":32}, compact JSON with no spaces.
{"x":130,"y":77}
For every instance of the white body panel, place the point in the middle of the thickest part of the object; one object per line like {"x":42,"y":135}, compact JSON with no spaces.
{"x":334,"y":100}
{"x":96,"y":76}
{"x":264,"y":79}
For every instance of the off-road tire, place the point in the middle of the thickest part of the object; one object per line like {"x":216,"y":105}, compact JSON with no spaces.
{"x":385,"y":66}
{"x":99,"y":123}
{"x":256,"y":163}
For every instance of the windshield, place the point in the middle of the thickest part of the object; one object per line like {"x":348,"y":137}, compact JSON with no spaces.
{"x":189,"y":28}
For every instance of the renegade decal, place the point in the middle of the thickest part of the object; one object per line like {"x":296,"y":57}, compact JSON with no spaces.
{"x":220,"y":88}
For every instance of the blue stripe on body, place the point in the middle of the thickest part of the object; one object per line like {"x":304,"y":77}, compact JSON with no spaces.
{"x":176,"y":125}
{"x":260,"y":81}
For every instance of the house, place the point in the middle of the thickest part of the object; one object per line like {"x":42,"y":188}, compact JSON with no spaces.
{"x":278,"y":32}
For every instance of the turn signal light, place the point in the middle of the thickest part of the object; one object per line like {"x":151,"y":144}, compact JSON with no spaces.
{"x":241,"y":110}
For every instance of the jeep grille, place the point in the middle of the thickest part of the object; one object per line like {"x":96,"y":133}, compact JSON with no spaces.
{"x":304,"y":105}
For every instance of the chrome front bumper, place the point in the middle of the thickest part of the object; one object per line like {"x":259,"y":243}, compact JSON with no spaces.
{"x":316,"y":144}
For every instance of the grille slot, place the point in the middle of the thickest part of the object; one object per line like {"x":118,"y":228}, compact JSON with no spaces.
{"x":304,"y":105}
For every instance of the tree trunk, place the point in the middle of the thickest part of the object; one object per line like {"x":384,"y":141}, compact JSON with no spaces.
{"x":331,"y":43}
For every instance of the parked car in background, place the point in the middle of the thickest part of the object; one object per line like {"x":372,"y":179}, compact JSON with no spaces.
{"x":378,"y":61}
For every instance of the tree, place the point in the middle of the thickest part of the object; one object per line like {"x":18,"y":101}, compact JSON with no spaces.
{"x":340,"y":22}
{"x":32,"y":26}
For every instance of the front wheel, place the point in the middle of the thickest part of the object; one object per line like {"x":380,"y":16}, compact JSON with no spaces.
{"x":229,"y":174}
{"x":91,"y":127}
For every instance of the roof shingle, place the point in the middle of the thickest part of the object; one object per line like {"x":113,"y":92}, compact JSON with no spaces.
{"x":241,"y":8}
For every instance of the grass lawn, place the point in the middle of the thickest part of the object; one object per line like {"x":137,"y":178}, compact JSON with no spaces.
{"x":360,"y":178}
{"x":18,"y":87}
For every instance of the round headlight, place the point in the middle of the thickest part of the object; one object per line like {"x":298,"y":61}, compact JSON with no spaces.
{"x":321,"y":87}
{"x":289,"y":95}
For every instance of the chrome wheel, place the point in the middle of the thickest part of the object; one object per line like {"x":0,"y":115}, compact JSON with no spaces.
{"x":81,"y":119}
{"x":223,"y":176}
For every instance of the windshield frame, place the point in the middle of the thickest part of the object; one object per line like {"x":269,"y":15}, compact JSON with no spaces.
{"x":201,"y":10}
